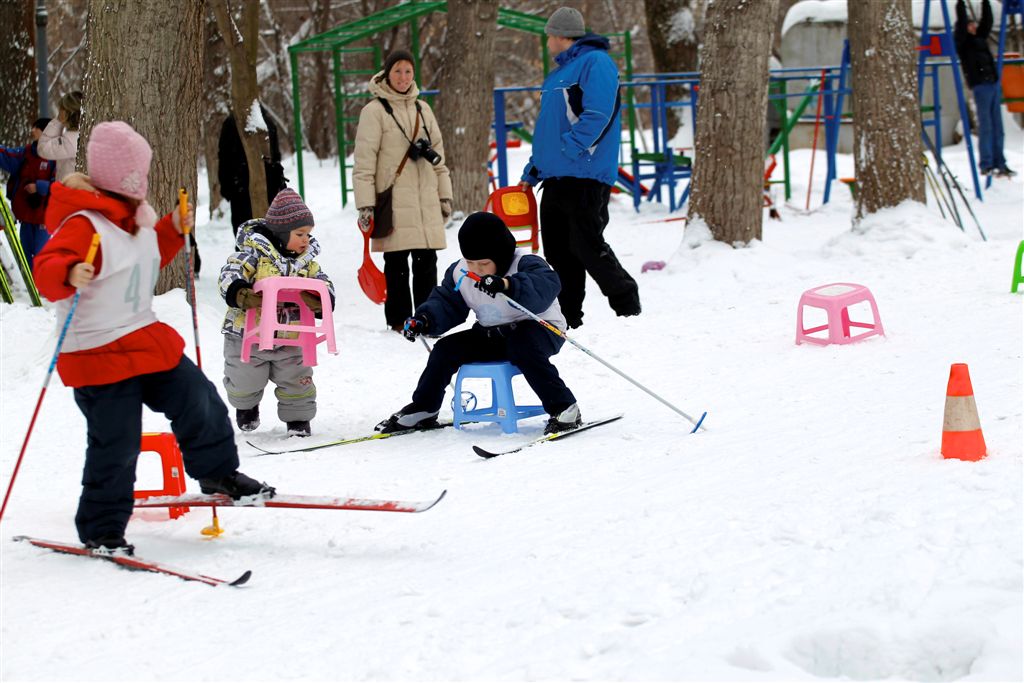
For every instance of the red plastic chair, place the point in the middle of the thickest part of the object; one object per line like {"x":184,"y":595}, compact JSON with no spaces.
{"x":166,"y":446}
{"x":518,"y":209}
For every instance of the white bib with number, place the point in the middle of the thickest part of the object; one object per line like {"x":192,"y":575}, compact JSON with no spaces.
{"x":119,"y":300}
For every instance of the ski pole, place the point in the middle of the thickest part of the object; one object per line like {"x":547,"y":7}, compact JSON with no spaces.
{"x":933,"y":182}
{"x":519,"y":307}
{"x":93,"y":247}
{"x":191,"y":292}
{"x":949,"y":190}
{"x":814,"y":145}
{"x":963,"y":198}
{"x":944,"y":167}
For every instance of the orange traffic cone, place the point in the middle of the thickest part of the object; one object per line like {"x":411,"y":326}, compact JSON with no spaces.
{"x":961,"y":428}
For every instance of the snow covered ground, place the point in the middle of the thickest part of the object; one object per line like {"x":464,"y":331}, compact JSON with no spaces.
{"x":812,"y":532}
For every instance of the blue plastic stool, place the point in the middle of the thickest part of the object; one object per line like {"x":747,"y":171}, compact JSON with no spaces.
{"x":503,"y":408}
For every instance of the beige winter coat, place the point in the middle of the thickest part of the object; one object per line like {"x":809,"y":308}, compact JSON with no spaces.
{"x":380,"y":146}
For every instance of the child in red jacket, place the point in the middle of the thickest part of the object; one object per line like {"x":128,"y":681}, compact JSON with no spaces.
{"x":28,"y":188}
{"x":117,"y":356}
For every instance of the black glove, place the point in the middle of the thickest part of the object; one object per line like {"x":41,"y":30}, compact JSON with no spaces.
{"x":414,"y":327}
{"x":491,"y":285}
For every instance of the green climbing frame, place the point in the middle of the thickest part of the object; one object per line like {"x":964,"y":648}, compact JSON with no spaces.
{"x":338,"y":40}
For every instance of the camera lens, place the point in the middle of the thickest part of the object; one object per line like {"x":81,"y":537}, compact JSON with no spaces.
{"x":422,"y":149}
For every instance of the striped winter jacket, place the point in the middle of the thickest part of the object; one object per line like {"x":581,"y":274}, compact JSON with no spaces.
{"x":255,"y":258}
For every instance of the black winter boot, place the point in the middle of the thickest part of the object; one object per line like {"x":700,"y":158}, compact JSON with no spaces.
{"x":236,"y":485}
{"x":625,"y":303}
{"x":569,"y":418}
{"x":298,"y":428}
{"x":248,"y":419}
{"x":111,"y":543}
{"x":409,"y":417}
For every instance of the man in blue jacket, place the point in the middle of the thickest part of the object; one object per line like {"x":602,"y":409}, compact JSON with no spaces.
{"x":575,"y":155}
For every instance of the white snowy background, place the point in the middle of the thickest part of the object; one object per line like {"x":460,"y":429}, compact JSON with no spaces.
{"x":812,"y":532}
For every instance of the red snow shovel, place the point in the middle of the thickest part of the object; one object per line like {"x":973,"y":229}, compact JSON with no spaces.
{"x":371,"y":280}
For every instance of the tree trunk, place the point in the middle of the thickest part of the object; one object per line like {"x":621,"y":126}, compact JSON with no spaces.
{"x":277,"y":87}
{"x":145,"y":66}
{"x":729,"y":166}
{"x":780,"y":19}
{"x":465,"y":107}
{"x":319,"y":108}
{"x":674,"y":29}
{"x":241,"y":40}
{"x":887,"y":120}
{"x":20,"y":103}
{"x":216,"y":93}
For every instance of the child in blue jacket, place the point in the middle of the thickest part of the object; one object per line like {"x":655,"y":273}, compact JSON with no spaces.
{"x":28,"y":188}
{"x":501,"y":332}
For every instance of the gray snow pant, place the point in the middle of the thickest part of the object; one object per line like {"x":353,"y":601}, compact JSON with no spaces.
{"x":296,"y":393}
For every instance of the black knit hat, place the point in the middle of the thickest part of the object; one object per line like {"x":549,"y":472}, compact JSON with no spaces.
{"x":395,"y":57}
{"x":485,"y":236}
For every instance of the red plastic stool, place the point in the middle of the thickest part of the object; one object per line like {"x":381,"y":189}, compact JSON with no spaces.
{"x":166,"y":446}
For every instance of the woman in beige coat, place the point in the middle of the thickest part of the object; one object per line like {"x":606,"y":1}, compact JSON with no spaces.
{"x":422,"y":194}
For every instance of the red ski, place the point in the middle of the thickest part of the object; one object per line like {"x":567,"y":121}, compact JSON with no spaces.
{"x":132,"y":562}
{"x":287,"y":501}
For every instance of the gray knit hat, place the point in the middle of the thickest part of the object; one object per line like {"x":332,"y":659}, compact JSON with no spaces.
{"x":566,"y":22}
{"x":287,"y":212}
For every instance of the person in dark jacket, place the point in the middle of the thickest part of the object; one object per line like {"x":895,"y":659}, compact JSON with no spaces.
{"x":971,"y":39}
{"x":233,"y":169}
{"x":28,"y":188}
{"x":575,"y":155}
{"x":501,"y":332}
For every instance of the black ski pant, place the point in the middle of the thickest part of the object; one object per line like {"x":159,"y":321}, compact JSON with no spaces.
{"x":526,"y":344}
{"x":573,"y":216}
{"x":199,"y":420}
{"x":399,"y":306}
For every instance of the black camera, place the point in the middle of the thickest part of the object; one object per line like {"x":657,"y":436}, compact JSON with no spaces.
{"x":422,"y":149}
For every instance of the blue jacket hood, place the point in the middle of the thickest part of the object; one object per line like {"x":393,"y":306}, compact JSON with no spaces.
{"x":590,"y":41}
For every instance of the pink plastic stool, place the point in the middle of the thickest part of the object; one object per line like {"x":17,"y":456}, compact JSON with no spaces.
{"x":278,"y":290}
{"x":835,"y":299}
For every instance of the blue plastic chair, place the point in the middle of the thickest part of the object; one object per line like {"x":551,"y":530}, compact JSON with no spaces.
{"x":503,"y":408}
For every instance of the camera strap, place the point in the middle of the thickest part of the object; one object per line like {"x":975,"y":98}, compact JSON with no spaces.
{"x":419,"y":115}
{"x":415,"y":130}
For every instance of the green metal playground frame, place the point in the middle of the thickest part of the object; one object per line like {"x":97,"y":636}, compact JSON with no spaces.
{"x":338,"y":40}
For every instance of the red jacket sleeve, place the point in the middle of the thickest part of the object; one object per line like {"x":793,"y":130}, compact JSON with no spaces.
{"x":168,"y":239}
{"x":68,"y":247}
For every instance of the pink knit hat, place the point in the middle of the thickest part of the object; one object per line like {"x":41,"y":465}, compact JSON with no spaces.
{"x":118,"y":159}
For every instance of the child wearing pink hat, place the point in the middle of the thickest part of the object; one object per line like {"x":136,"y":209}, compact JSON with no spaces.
{"x":117,"y":356}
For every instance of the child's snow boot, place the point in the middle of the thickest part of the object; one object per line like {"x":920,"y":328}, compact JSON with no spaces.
{"x":298,"y":428}
{"x":236,"y":485}
{"x":569,"y":418}
{"x":248,"y":419}
{"x":409,"y":417}
{"x":111,"y":543}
